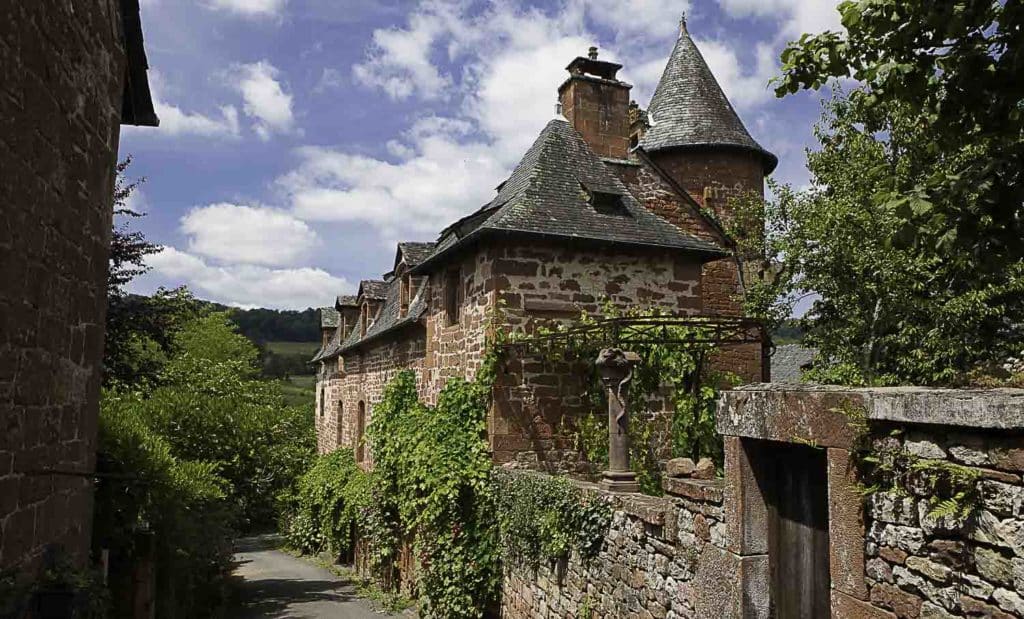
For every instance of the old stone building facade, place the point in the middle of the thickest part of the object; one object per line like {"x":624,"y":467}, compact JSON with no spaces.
{"x":70,"y":74}
{"x":611,"y":205}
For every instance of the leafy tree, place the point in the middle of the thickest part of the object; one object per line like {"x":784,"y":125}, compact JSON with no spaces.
{"x":211,"y":405}
{"x":140,"y":330}
{"x":912,"y":233}
{"x":887,"y":312}
{"x":957,"y":65}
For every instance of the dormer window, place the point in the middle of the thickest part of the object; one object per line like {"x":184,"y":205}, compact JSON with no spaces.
{"x":405,"y":295}
{"x":605,"y":202}
{"x":452,"y":295}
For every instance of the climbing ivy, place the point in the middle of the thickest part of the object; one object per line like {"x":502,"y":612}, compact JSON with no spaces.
{"x":885,"y":465}
{"x":435,"y":467}
{"x":546,"y":518}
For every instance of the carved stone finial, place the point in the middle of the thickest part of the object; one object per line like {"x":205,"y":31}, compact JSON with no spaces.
{"x":682,"y":23}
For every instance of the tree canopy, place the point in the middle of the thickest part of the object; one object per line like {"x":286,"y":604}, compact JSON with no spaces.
{"x":911,"y":232}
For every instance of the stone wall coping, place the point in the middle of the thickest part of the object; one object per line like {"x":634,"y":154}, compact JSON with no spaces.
{"x":650,"y":509}
{"x":742,"y":411}
{"x":703,"y":490}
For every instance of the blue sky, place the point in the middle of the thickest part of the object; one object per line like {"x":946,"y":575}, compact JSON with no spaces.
{"x":301,"y":139}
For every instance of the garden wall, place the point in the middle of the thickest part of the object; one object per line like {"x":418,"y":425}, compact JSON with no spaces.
{"x":797,"y":455}
{"x":662,"y":557}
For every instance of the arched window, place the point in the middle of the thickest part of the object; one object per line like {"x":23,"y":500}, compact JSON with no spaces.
{"x":360,"y":430}
{"x":339,"y":423}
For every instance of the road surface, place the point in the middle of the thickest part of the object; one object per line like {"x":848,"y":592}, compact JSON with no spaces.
{"x":271,"y":583}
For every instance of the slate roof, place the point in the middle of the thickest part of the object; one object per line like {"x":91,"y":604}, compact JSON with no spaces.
{"x":789,"y":361}
{"x":387,"y":319}
{"x":689,"y":109}
{"x":136,"y":98}
{"x":346,"y":300}
{"x":329,"y":318}
{"x":373,"y":289}
{"x":414,"y":252}
{"x":547,"y":195}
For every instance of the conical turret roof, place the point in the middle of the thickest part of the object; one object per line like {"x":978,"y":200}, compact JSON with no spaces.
{"x":690,"y":110}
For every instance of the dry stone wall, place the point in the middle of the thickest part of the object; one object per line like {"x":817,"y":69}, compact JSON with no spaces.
{"x":922,"y":566}
{"x":663,"y":557}
{"x":61,"y":71}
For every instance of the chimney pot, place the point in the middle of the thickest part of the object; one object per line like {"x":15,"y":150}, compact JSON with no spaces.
{"x":592,"y":53}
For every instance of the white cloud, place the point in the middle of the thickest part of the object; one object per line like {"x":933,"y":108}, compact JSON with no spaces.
{"x":399,"y":60}
{"x":448,"y":165}
{"x":795,"y":16}
{"x":745,"y":89}
{"x":647,"y":18}
{"x":250,"y":8}
{"x":247,"y":234}
{"x":244,"y":285}
{"x":496,"y":73}
{"x":174,"y":121}
{"x":265,"y":99}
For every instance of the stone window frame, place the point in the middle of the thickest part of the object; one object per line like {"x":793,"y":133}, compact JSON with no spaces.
{"x":404,"y":295}
{"x":359,"y":431}
{"x":339,"y":423}
{"x":453,"y":295}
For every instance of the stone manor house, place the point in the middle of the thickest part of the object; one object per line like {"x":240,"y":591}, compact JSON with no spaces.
{"x":611,"y":204}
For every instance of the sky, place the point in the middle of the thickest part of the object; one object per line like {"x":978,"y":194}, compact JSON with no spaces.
{"x":301,"y":139}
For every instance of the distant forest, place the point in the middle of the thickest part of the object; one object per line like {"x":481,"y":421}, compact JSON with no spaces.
{"x":267,"y":325}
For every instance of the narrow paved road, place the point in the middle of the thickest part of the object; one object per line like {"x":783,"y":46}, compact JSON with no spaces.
{"x":272,"y":583}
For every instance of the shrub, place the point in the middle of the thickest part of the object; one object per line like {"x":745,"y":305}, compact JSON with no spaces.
{"x":146,"y":489}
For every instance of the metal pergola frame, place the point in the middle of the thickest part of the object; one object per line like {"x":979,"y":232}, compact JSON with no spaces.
{"x":614,"y":332}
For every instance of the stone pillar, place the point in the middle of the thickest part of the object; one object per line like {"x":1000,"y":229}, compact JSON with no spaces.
{"x":616,"y":370}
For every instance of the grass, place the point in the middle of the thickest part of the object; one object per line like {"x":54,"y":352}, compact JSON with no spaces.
{"x":299,"y":390}
{"x":293,"y":348}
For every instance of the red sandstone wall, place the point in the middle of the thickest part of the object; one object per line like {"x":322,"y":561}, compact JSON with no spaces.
{"x":537,"y":400}
{"x":61,"y":70}
{"x":721,"y":289}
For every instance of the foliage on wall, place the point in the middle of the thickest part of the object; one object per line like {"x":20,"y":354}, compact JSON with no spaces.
{"x":680,"y":374}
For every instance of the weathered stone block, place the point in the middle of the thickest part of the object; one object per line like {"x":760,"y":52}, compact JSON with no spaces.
{"x":680,"y":467}
{"x":848,"y":607}
{"x":746,"y":511}
{"x":905,"y":605}
{"x":846,"y":525}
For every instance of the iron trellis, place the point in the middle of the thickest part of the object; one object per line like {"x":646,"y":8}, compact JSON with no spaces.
{"x":613,"y":332}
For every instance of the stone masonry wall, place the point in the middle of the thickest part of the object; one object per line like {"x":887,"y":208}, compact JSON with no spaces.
{"x":538,"y":284}
{"x":363,"y":380}
{"x":662,"y":558}
{"x":721,"y":289}
{"x":920,"y":566}
{"x":61,"y":72}
{"x":703,"y":551}
{"x":544,"y":284}
{"x":889,"y":557}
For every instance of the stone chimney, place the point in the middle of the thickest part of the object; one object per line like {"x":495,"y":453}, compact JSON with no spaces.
{"x":596,"y":103}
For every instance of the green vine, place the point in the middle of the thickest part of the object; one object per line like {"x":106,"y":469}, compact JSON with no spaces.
{"x":543,"y":518}
{"x":884,"y":465}
{"x":679,"y":373}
